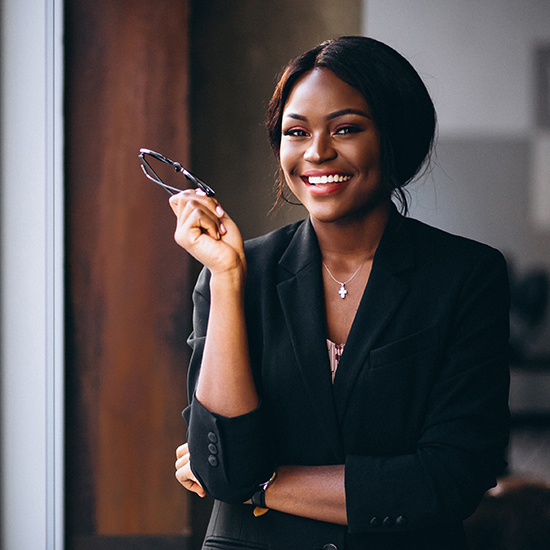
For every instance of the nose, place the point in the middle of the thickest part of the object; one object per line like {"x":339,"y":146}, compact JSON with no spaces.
{"x":319,"y":149}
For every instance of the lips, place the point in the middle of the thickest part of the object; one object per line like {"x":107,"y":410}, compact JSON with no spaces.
{"x":319,"y":183}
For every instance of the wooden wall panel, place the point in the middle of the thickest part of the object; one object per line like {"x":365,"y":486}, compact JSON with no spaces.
{"x":128,"y":283}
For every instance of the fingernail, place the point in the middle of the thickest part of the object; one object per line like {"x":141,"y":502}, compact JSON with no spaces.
{"x":223,"y":230}
{"x":219,"y":211}
{"x":200,"y":192}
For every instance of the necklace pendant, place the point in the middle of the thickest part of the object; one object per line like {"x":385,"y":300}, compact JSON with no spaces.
{"x":342,"y":291}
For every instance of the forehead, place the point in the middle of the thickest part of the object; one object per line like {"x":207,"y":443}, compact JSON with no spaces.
{"x":320,"y":91}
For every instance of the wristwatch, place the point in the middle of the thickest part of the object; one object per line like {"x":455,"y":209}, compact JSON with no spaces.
{"x":258,"y":498}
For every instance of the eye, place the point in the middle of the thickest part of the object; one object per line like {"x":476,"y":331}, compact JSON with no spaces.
{"x":345,"y":130}
{"x":295,"y":132}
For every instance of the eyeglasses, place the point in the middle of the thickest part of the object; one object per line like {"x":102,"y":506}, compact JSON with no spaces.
{"x":153,"y":176}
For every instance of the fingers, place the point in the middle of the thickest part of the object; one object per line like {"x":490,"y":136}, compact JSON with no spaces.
{"x":198,"y":221}
{"x":197,"y":215}
{"x":184,"y":474}
{"x":196,"y":199}
{"x":205,"y":230}
{"x":182,"y":450}
{"x":189,"y":194}
{"x":188,"y":480}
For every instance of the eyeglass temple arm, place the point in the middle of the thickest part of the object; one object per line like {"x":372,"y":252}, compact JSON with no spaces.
{"x":198,"y":182}
{"x":179,"y":168}
{"x":156,"y":179}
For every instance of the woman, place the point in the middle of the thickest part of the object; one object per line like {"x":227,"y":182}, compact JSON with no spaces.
{"x":349,"y":371}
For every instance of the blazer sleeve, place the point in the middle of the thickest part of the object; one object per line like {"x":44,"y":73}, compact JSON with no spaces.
{"x":462,"y":444}
{"x":228,"y":455}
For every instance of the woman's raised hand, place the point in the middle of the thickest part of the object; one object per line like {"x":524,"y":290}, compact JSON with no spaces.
{"x":207,"y":232}
{"x":183,"y":471}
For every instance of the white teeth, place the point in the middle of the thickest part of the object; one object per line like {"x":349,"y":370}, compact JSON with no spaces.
{"x":333,"y":178}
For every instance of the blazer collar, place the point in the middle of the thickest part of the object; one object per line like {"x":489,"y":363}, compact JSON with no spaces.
{"x":396,"y":251}
{"x":383,"y":295}
{"x":301,"y":294}
{"x":302,"y":250}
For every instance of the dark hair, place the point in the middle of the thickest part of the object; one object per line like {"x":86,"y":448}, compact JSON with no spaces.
{"x":398,"y":99}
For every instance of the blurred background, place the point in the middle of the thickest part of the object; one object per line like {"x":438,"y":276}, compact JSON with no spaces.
{"x":96,"y":295}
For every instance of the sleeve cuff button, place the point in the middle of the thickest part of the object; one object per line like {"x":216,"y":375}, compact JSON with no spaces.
{"x":376,"y":522}
{"x":388,"y":522}
{"x":213,"y":449}
{"x":401,"y":521}
{"x":212,"y":460}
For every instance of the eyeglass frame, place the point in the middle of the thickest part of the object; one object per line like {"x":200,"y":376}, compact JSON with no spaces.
{"x":153,"y":176}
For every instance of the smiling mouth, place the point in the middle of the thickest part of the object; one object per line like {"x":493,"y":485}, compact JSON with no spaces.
{"x":322,"y":180}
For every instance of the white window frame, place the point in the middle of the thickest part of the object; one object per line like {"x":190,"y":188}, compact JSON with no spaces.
{"x":31,"y":274}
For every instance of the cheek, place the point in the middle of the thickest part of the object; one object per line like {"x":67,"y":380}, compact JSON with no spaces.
{"x":289,"y":157}
{"x":286,"y":179}
{"x":283,"y":168}
{"x":284,"y":157}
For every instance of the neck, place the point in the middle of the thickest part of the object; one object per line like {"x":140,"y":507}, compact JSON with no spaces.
{"x":352,"y":242}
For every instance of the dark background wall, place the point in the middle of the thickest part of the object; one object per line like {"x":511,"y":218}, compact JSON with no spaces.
{"x":238,"y":49}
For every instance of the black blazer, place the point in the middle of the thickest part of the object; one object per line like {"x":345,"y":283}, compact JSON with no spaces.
{"x":418,"y":411}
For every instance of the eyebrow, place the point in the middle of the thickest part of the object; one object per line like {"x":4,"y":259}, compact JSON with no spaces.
{"x":334,"y":115}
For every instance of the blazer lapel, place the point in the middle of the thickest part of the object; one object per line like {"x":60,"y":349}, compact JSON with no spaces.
{"x":301,"y":296}
{"x":381,"y":299}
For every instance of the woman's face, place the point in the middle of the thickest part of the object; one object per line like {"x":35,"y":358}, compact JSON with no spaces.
{"x":330,"y":149}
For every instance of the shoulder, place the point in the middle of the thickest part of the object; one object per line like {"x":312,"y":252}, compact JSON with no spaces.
{"x":435,"y":245}
{"x":436,"y":260}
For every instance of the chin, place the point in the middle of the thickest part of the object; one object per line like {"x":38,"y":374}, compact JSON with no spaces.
{"x":357,"y":214}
